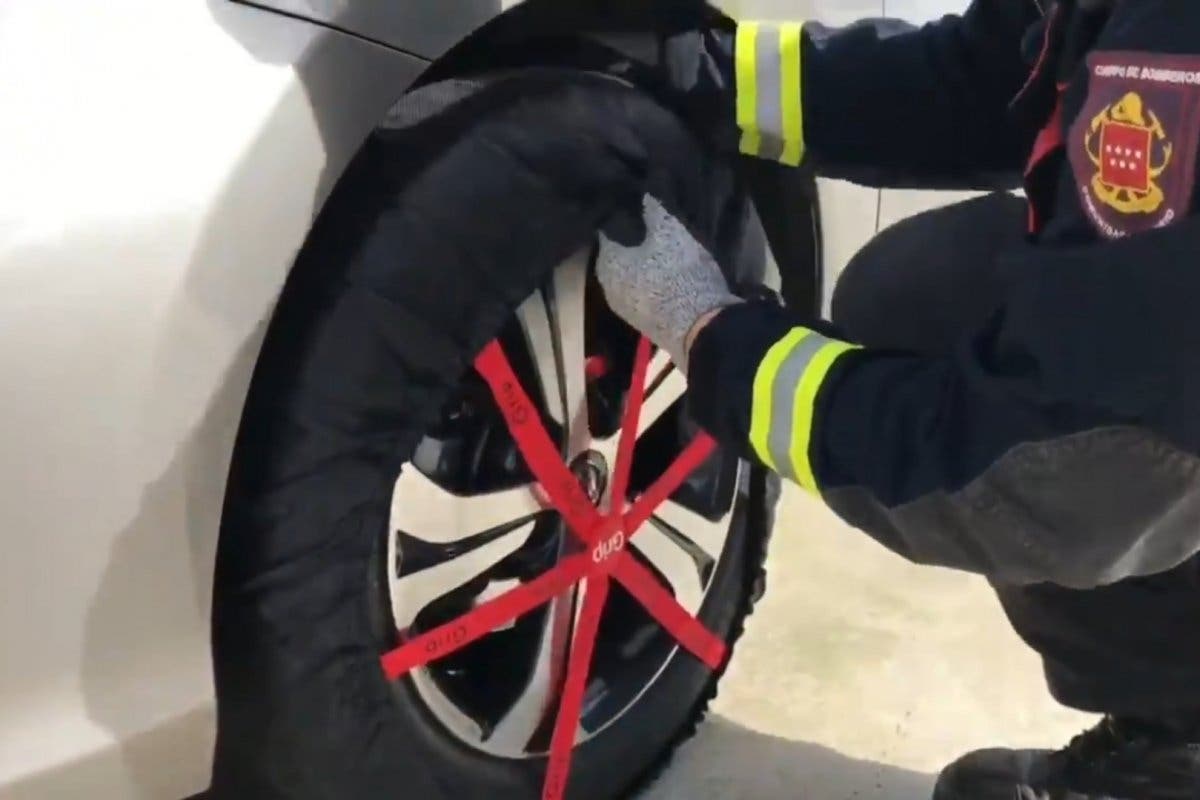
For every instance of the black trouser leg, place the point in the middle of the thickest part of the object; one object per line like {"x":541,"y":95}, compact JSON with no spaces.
{"x":1131,"y":648}
{"x":923,"y":283}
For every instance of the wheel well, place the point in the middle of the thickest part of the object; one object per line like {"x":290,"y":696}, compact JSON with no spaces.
{"x":548,"y":32}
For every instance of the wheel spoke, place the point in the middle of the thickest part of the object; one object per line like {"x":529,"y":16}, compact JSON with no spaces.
{"x":672,"y":559}
{"x":664,"y":386}
{"x":568,"y":315}
{"x":700,"y":531}
{"x":445,"y":710}
{"x":627,"y":438}
{"x":414,"y":592}
{"x":424,"y":510}
{"x":536,"y":701}
{"x":553,"y":322}
{"x":534,"y":317}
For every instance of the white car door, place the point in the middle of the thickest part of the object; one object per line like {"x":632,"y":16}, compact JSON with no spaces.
{"x":160,"y":164}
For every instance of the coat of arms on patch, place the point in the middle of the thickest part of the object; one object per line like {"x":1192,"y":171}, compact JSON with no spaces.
{"x":1133,"y":147}
{"x":1124,"y":142}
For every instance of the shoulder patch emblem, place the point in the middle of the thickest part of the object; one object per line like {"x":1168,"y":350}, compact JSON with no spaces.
{"x":1133,"y":147}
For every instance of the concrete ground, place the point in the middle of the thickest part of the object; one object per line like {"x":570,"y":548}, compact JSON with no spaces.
{"x":860,"y":676}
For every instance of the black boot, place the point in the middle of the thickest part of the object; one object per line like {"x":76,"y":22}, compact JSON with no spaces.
{"x":1119,"y":759}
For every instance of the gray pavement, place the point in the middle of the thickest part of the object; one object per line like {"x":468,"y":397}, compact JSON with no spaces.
{"x":860,"y":676}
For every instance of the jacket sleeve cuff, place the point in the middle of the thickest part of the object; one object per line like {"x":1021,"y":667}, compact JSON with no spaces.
{"x":756,"y":376}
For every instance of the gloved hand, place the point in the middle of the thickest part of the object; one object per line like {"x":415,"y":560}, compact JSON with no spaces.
{"x":665,"y":285}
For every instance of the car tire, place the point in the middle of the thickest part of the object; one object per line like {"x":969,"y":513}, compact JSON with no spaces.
{"x":347,"y":387}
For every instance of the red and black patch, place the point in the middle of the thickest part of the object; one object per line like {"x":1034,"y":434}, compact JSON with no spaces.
{"x":1133,"y":147}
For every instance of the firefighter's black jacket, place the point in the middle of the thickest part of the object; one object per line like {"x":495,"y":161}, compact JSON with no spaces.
{"x":1061,"y":441}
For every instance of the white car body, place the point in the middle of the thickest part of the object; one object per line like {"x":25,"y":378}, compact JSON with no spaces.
{"x":160,"y":165}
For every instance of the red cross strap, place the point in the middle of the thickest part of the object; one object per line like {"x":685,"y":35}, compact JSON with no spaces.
{"x":604,"y":538}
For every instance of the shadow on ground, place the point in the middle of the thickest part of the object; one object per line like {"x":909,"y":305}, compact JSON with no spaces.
{"x":730,"y":762}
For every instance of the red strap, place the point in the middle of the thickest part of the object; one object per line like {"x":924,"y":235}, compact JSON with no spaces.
{"x":539,"y":450}
{"x":692,"y":457}
{"x":483,"y":619}
{"x":629,"y":426}
{"x":571,"y":706}
{"x":543,"y":458}
{"x":686,"y":629}
{"x":605,"y":536}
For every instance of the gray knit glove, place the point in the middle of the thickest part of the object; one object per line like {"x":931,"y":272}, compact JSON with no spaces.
{"x":664,"y":285}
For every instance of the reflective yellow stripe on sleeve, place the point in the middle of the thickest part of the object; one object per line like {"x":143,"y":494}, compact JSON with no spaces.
{"x":785,"y":395}
{"x":745,"y":51}
{"x":791,"y":94}
{"x":770,"y":108}
{"x":763,"y":405}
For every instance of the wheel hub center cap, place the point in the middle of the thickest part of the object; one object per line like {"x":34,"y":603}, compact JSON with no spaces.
{"x":591,"y":470}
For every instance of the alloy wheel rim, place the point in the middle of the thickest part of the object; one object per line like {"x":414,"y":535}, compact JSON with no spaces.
{"x":452,"y":545}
